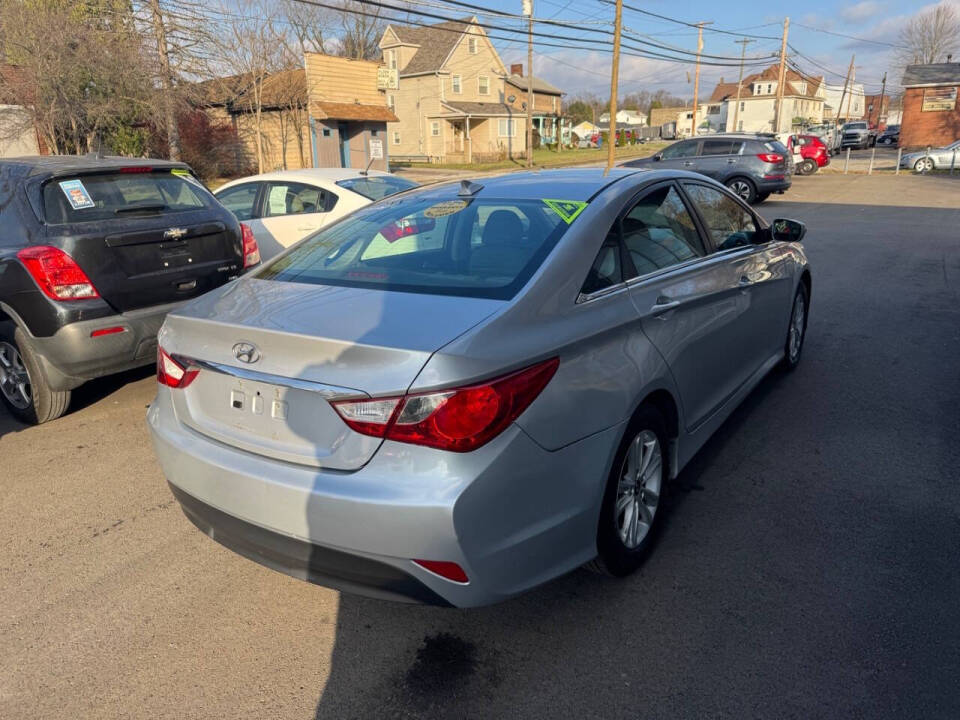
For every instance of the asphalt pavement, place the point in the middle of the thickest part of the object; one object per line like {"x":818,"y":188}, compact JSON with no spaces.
{"x":808,"y":568}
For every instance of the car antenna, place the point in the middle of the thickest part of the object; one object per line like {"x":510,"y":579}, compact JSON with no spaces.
{"x":468,"y":188}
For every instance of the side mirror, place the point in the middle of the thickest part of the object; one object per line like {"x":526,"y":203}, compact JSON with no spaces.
{"x":787,"y":230}
{"x":658,"y":157}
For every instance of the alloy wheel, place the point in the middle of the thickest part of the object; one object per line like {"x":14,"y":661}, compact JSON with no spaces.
{"x":638,"y":493}
{"x":741,"y":189}
{"x":14,"y":380}
{"x":924,"y":165}
{"x":797,"y":318}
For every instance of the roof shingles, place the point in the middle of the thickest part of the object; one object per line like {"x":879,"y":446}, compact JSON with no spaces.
{"x":435,"y":44}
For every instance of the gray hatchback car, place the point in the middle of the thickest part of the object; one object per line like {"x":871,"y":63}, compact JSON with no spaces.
{"x":751,"y":166}
{"x":465,"y":390}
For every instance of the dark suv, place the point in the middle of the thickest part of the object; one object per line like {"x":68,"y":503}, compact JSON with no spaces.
{"x":752,"y":166}
{"x":93,"y":254}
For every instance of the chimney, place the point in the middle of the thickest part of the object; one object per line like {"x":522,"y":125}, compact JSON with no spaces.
{"x":517,"y":69}
{"x":721,"y":79}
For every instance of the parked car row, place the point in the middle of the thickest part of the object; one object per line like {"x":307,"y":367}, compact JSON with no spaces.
{"x":94,"y":252}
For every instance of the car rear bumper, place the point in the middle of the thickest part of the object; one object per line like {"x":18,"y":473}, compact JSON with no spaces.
{"x":511,"y":514}
{"x":72,"y":355}
{"x":774,"y":185}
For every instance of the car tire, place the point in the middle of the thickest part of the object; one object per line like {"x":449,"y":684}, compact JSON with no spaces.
{"x":632,"y":509}
{"x":807,"y":167}
{"x":743,"y":188}
{"x":797,"y":328}
{"x":25,"y":390}
{"x":923,"y":164}
{"x":761,"y":197}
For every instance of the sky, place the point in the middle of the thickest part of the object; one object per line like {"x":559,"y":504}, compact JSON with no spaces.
{"x":811,"y":23}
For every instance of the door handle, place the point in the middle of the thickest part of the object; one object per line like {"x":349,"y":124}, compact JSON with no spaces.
{"x":688,"y":163}
{"x":663,"y":304}
{"x":731,"y":161}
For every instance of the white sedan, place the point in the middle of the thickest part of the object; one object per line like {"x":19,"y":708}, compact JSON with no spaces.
{"x":283,"y":207}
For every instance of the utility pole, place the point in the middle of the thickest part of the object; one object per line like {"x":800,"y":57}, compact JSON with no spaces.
{"x":853,"y":79}
{"x":743,"y":55}
{"x":696,"y":77}
{"x":843,"y":95}
{"x":883,"y":91}
{"x":166,"y":82}
{"x":614,"y":80}
{"x":781,"y":78}
{"x":528,"y":11}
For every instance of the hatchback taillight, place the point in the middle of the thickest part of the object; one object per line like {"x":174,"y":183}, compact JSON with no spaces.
{"x":171,"y":372}
{"x":457,"y":419}
{"x":57,"y":274}
{"x":771,"y":157}
{"x":251,"y":251}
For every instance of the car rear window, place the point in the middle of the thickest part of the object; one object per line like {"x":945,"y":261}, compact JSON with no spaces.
{"x":776,"y":146}
{"x":87,"y":198}
{"x":473,"y":247}
{"x":377,"y":187}
{"x":855,"y":126}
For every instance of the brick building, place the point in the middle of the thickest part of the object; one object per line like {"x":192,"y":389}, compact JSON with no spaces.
{"x":931,"y":113}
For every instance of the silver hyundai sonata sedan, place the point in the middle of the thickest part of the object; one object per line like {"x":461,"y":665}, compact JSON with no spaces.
{"x":465,"y":390}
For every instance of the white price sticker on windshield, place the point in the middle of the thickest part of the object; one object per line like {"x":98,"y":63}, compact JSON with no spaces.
{"x":77,"y":195}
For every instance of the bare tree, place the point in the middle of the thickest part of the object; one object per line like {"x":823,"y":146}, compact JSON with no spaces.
{"x":930,"y":36}
{"x":309,"y":25}
{"x":360,"y":34}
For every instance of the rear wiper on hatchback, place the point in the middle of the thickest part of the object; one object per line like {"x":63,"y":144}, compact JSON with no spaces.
{"x":154,"y":207}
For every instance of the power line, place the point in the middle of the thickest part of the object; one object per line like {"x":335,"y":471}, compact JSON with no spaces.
{"x":689,"y":24}
{"x":852,"y":37}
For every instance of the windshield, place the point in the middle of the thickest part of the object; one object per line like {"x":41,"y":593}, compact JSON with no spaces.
{"x":377,"y":187}
{"x":855,"y":126}
{"x":474,"y":247}
{"x":86,"y":198}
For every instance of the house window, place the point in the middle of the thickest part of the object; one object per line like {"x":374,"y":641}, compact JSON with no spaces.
{"x":396,"y":137}
{"x":392,"y":102}
{"x":483,"y":85}
{"x":508,"y":127}
{"x":472,"y":45}
{"x":374,"y":133}
{"x":769,"y":88}
{"x":435,"y":128}
{"x":742,"y":106}
{"x":740,"y":125}
{"x":455,"y":80}
{"x":392,"y":59}
{"x":326,"y":132}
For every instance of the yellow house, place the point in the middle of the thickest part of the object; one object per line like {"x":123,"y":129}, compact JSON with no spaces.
{"x":453,"y":96}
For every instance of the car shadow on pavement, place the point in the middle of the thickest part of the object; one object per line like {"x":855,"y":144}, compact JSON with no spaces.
{"x":92,"y":392}
{"x":568,"y":648}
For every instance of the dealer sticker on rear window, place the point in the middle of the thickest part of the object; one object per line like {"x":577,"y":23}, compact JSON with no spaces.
{"x":186,"y":175}
{"x":568,"y":210}
{"x":77,"y":194}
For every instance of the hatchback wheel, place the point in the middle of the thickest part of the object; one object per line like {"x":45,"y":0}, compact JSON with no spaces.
{"x":797,"y":329}
{"x":807,"y":167}
{"x":633,"y":497}
{"x":23,"y":387}
{"x":743,"y":188}
{"x":924,"y":164}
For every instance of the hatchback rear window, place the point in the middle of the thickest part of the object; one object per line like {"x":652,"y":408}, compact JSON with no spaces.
{"x":460,"y":246}
{"x":87,"y":198}
{"x":377,"y":187}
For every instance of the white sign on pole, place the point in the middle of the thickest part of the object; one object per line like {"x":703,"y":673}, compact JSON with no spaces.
{"x":376,"y":149}
{"x":527,"y":8}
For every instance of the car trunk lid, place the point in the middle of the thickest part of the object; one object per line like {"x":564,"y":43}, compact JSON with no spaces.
{"x":273,"y":354}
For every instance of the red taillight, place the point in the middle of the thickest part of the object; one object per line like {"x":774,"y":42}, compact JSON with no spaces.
{"x":251,"y":251}
{"x":458,"y":419}
{"x":107,"y":331}
{"x":136,"y":169}
{"x":445,"y":569}
{"x":171,"y":373}
{"x":771,"y":157}
{"x":57,"y":274}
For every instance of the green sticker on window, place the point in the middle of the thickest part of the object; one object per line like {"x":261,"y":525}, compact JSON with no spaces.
{"x":568,"y":210}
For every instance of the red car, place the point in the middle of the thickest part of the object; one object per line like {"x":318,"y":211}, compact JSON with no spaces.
{"x":812,"y":150}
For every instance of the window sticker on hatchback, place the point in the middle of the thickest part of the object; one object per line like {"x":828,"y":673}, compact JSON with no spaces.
{"x":77,"y":195}
{"x":568,"y":210}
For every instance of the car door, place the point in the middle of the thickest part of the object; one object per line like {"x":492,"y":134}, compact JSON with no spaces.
{"x":760,"y":270}
{"x":241,"y":200}
{"x":680,"y":156}
{"x":719,"y":158}
{"x":291,"y":211}
{"x":687,"y":298}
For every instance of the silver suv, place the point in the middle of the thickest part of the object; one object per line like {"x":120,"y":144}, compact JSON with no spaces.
{"x":752,"y":166}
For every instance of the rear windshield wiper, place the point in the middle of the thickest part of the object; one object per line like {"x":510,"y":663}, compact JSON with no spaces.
{"x":154,"y":207}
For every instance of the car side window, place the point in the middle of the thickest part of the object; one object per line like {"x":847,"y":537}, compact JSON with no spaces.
{"x":717,"y":147}
{"x":240,"y":200}
{"x":607,"y":270}
{"x":729,"y":224}
{"x":686,"y":148}
{"x":659,"y":232}
{"x":285,"y":198}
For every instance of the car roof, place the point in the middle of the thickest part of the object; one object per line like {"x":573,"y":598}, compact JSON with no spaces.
{"x":329,"y":175}
{"x":50,"y":165}
{"x":561,"y":184}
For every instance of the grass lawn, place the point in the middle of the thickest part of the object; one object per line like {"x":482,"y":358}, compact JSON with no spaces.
{"x":544,"y":158}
